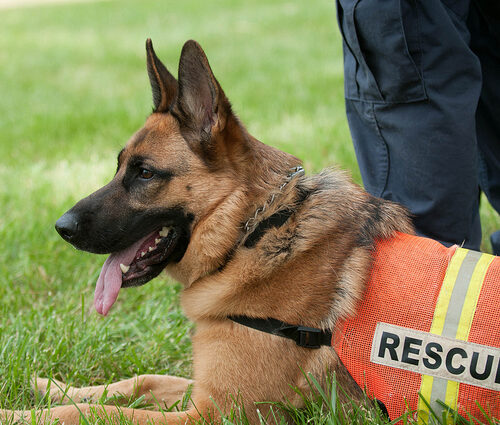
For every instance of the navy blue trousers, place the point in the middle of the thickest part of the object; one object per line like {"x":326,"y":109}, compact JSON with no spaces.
{"x":422,"y":89}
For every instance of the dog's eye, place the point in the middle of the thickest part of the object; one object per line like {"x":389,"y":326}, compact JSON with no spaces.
{"x":145,"y":174}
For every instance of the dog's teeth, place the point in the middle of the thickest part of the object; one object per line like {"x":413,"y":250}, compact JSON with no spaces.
{"x":157,"y":241}
{"x":143,"y":254}
{"x":164,"y":231}
{"x":150,"y":248}
{"x":124,"y":268}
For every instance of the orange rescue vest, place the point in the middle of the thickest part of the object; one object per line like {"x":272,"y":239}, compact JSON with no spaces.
{"x":428,"y":323}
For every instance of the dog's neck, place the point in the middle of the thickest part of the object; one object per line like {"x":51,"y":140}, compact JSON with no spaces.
{"x":237,"y":223}
{"x":280,"y":205}
{"x":257,"y":219}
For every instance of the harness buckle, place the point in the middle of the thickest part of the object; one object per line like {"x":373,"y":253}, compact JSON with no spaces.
{"x":309,"y":337}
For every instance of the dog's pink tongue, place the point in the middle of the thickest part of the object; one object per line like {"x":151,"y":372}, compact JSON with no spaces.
{"x":110,"y":280}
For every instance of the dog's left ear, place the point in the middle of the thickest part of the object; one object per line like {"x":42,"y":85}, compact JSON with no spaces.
{"x":201,"y":105}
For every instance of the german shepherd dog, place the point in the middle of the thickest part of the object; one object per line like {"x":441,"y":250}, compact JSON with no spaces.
{"x":245,"y":232}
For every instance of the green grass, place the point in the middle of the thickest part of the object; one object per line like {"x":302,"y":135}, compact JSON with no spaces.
{"x":73,"y":89}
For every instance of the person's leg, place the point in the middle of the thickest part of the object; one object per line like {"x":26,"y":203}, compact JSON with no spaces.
{"x":485,"y":42}
{"x":411,"y":98}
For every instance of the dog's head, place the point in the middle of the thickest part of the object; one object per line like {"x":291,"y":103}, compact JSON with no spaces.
{"x":190,"y":155}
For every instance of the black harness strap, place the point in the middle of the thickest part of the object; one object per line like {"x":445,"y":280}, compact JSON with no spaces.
{"x":302,"y":335}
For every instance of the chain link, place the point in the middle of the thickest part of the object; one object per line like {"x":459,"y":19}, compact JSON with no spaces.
{"x":252,"y":221}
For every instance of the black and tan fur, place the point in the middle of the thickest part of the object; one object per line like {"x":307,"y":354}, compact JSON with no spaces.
{"x":210,"y":175}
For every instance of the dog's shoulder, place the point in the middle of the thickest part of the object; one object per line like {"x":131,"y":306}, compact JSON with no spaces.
{"x":339,"y":210}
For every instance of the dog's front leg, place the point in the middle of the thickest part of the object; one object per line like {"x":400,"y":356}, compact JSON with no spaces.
{"x":162,"y":389}
{"x":71,"y":414}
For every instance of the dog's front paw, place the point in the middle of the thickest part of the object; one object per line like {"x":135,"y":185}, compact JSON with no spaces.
{"x":14,"y":417}
{"x":56,"y":389}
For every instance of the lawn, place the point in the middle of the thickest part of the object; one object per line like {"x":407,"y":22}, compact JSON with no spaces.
{"x":73,"y":88}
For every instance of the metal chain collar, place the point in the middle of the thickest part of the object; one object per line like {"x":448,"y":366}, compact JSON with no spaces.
{"x":252,"y":221}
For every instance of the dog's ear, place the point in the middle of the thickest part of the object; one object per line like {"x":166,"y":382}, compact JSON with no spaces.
{"x":163,"y":83}
{"x":201,"y":105}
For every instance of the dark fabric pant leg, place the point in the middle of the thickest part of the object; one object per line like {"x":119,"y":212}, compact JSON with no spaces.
{"x":484,"y":25}
{"x":485,"y":43}
{"x":433,"y":173}
{"x":423,"y":153}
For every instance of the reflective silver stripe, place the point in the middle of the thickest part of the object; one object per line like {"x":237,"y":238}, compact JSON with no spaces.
{"x":452,"y":319}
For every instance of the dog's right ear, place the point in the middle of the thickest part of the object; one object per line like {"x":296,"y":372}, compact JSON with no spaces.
{"x":202,"y":106}
{"x":163,"y":83}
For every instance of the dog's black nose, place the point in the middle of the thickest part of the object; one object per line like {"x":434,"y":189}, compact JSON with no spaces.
{"x":67,"y":226}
